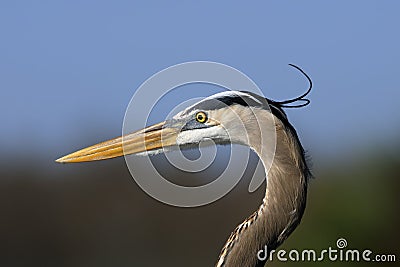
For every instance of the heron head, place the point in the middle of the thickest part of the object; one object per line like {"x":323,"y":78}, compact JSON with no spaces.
{"x":227,"y":117}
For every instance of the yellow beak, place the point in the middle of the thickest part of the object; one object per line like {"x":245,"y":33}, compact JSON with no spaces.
{"x":150,"y":138}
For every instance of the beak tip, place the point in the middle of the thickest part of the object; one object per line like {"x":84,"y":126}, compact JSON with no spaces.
{"x":61,"y":160}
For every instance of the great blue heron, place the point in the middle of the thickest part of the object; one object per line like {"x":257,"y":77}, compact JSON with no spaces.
{"x":232,"y":117}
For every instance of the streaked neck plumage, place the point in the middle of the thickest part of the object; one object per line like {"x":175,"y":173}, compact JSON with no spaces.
{"x":283,"y":204}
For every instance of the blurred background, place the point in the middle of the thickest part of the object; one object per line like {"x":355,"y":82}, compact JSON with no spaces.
{"x":69,"y":68}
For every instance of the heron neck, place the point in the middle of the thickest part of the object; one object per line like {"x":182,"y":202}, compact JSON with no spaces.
{"x":286,"y":191}
{"x":281,"y":210}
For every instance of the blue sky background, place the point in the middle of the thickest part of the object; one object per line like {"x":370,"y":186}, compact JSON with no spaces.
{"x":69,"y":68}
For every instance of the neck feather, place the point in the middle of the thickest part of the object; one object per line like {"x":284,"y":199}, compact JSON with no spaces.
{"x":282,"y":207}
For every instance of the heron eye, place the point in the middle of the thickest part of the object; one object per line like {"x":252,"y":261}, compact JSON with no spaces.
{"x":201,"y":117}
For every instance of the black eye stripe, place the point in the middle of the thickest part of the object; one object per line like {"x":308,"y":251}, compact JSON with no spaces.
{"x":246,"y":99}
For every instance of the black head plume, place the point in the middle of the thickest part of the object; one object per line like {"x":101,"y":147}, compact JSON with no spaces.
{"x":284,"y":104}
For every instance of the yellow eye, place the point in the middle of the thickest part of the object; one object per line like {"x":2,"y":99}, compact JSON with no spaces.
{"x":201,"y":117}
